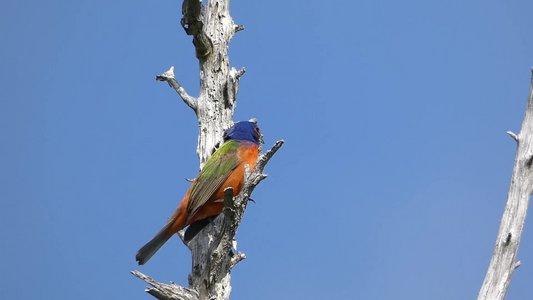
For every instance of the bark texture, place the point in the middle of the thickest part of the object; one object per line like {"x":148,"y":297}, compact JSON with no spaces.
{"x":504,"y":261}
{"x":212,"y":28}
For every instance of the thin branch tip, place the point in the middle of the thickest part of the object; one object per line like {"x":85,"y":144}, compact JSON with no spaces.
{"x":237,"y":74}
{"x":237,"y":258}
{"x":239,"y":27}
{"x":241,"y":72}
{"x":135,"y":273}
{"x":513,"y":135}
{"x":167,"y":75}
{"x":274,"y":148}
{"x":517,"y":264}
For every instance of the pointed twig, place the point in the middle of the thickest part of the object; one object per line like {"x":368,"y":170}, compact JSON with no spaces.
{"x":169,"y":77}
{"x":237,"y":258}
{"x":239,"y":27}
{"x":513,"y":135}
{"x":238,"y":73}
{"x":165,"y":291}
{"x":257,"y":175}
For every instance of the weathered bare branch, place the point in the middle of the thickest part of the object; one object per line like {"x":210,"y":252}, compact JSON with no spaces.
{"x":237,"y":73}
{"x":169,"y":77}
{"x":237,"y":258}
{"x":503,"y":261}
{"x":257,"y":175}
{"x":165,"y":291}
{"x":239,"y":27}
{"x":513,"y":135}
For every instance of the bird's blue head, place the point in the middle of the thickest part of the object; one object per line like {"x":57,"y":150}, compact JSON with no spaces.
{"x":244,"y":131}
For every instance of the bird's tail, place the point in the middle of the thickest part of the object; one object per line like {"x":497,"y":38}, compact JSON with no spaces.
{"x":148,"y":250}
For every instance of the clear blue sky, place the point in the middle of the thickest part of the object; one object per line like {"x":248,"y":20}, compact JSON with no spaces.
{"x":390,"y":186}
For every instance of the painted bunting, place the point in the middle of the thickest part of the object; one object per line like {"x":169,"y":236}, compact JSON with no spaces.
{"x":205,"y":197}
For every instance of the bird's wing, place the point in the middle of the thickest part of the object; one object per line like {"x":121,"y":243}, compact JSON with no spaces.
{"x":216,"y":170}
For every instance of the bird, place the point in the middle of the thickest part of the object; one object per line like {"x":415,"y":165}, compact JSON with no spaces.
{"x":205,"y":197}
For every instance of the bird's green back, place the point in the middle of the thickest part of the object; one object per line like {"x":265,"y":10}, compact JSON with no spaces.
{"x":216,"y":170}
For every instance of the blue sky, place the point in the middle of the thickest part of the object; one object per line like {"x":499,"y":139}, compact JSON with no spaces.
{"x":391,"y":183}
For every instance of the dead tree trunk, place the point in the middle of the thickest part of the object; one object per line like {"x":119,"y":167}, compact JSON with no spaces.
{"x":503,"y":261}
{"x":212,"y":28}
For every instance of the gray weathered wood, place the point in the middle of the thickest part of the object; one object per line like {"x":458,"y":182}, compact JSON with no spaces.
{"x":165,"y":291}
{"x":212,"y":28}
{"x":504,"y":261}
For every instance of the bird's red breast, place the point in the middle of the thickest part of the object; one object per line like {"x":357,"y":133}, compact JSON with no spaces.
{"x":247,"y":153}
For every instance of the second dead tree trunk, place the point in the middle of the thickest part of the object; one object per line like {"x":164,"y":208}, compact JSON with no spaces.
{"x":504,"y":262}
